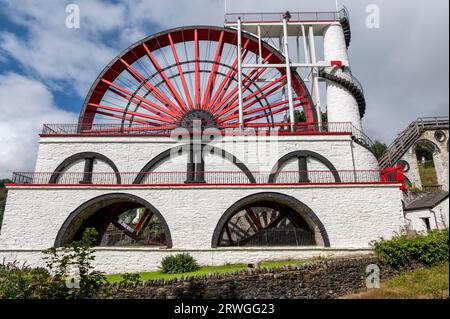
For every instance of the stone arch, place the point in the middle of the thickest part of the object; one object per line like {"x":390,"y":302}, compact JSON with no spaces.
{"x":179,"y":150}
{"x":59,"y":171}
{"x":427,"y":143}
{"x":78,"y":218}
{"x":432,"y":173}
{"x":296,"y":206}
{"x":302,"y":154}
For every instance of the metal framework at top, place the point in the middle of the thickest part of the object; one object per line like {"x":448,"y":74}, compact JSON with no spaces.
{"x":303,"y":27}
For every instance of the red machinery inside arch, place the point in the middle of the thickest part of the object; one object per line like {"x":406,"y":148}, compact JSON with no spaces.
{"x":192,"y":72}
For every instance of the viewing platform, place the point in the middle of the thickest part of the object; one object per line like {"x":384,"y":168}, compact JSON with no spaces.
{"x":212,"y":178}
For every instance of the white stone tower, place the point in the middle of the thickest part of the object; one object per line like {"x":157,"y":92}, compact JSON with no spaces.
{"x":342,"y":104}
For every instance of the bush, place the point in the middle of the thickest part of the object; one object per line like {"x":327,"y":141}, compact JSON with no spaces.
{"x":179,"y":264}
{"x":131,"y":279}
{"x":427,"y":249}
{"x":72,"y":268}
{"x":23,"y":282}
{"x":55,"y":282}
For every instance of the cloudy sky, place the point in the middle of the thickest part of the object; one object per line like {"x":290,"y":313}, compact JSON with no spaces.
{"x":46,"y":69}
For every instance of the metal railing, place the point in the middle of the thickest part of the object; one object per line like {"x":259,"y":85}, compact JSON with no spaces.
{"x":147,"y":130}
{"x":213,"y":178}
{"x":432,"y":188}
{"x":362,"y":138}
{"x":103,"y":129}
{"x":344,"y":14}
{"x":249,"y":17}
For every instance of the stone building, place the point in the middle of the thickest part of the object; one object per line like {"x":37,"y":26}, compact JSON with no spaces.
{"x":211,"y":141}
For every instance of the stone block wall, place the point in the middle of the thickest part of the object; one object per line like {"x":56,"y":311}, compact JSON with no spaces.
{"x":324,"y":279}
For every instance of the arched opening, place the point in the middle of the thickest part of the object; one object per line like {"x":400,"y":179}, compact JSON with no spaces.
{"x":122,"y":220}
{"x":308,"y":162}
{"x":269,"y":219}
{"x":427,"y":154}
{"x":195,"y":172}
{"x":79,"y":168}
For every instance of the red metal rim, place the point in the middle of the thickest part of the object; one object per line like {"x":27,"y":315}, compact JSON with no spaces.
{"x":161,"y":78}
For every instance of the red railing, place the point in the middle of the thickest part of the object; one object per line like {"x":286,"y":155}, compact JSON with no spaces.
{"x":117,"y":129}
{"x":213,"y":178}
{"x":394,"y":174}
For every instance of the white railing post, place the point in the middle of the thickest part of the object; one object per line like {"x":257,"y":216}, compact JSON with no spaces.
{"x":239,"y":56}
{"x":288,"y":74}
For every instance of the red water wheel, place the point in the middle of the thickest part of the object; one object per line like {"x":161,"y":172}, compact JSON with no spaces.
{"x":167,"y":79}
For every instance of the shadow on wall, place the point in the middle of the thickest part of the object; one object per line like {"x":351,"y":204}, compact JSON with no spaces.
{"x":3,"y":193}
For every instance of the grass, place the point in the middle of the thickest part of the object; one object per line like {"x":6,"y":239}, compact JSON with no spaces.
{"x":428,"y":283}
{"x":157,"y":275}
{"x":428,"y":174}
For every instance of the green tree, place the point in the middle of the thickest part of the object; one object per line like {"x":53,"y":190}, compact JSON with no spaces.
{"x":77,"y":256}
{"x":424,"y":152}
{"x":379,"y":148}
{"x":300,"y":116}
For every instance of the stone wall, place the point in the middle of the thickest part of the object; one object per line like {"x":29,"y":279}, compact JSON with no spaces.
{"x":440,"y":157}
{"x":352,"y":215}
{"x":318,"y":280}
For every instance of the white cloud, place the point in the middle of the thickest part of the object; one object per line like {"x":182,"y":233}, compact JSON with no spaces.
{"x":25,"y":105}
{"x":403,"y":66}
{"x":56,"y":54}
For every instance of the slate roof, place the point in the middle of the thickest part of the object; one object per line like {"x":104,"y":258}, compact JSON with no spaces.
{"x":427,"y":202}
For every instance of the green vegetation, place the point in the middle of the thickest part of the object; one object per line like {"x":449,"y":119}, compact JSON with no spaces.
{"x":300,"y":116}
{"x":379,"y":148}
{"x":68,"y":275}
{"x":427,"y":249}
{"x":424,"y":152}
{"x":427,"y":169}
{"x":202,"y":271}
{"x":179,"y":264}
{"x":428,"y":283}
{"x":427,"y":173}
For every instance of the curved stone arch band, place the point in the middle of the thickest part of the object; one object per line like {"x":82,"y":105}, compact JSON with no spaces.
{"x":81,"y":156}
{"x":164,"y":156}
{"x":286,"y":158}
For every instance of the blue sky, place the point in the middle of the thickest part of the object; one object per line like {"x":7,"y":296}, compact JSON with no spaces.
{"x":46,"y":69}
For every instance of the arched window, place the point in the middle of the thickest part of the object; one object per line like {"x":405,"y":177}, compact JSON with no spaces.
{"x":68,"y":173}
{"x":269,"y":219}
{"x":121,"y":220}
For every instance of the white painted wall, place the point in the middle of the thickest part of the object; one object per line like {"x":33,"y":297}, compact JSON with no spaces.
{"x":438,"y":217}
{"x":351,"y":214}
{"x":131,"y":154}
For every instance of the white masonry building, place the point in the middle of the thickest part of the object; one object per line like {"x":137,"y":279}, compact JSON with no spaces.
{"x":211,"y":141}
